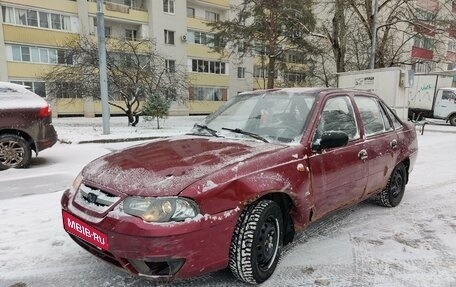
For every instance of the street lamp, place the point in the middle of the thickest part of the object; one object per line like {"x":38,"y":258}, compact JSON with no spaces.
{"x":102,"y":67}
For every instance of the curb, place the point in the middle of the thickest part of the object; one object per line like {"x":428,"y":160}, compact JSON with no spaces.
{"x":118,"y":140}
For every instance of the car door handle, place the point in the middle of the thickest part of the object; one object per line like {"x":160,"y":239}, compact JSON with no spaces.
{"x":362,"y":155}
{"x":393,"y":144}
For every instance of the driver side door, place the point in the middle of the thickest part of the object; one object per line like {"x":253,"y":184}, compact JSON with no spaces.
{"x":338,"y":175}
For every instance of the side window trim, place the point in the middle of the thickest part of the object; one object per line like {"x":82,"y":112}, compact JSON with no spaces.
{"x":366,"y":134}
{"x":350,"y":105}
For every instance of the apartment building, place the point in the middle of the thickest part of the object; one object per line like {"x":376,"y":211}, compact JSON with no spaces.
{"x":34,"y":31}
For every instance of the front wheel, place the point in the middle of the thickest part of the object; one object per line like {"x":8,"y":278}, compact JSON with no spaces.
{"x":392,"y":195}
{"x":257,"y":242}
{"x":452,"y":120}
{"x":14,"y":152}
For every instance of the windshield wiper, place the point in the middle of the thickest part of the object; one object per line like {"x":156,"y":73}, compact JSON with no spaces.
{"x":253,"y":135}
{"x":208,"y":129}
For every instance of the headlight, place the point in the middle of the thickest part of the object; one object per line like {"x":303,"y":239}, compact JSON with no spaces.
{"x":160,"y":209}
{"x":77,"y":182}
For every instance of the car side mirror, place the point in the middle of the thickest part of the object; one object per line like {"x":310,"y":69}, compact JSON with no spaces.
{"x":330,"y":139}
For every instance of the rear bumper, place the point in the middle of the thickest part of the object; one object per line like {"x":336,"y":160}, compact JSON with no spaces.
{"x":47,"y":139}
{"x":168,"y":250}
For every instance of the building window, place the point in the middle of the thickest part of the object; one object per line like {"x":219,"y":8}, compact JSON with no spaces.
{"x":259,"y":72}
{"x":190,"y":12}
{"x":203,"y":38}
{"x":170,"y":66}
{"x":38,"y":55}
{"x":168,"y":6}
{"x":169,"y":37}
{"x":212,"y":16}
{"x":241,"y":73}
{"x":131,"y":35}
{"x":208,"y":94}
{"x":107,"y":32}
{"x":294,"y":77}
{"x":38,"y":88}
{"x":452,"y":46}
{"x":36,"y":18}
{"x":211,"y":67}
{"x":32,"y":18}
{"x":422,"y":42}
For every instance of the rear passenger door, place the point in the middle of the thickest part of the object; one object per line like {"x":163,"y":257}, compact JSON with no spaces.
{"x":338,"y":175}
{"x":380,"y":142}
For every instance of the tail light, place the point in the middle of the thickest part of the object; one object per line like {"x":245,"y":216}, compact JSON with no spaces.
{"x":45,"y":112}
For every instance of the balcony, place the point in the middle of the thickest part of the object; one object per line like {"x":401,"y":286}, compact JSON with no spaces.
{"x":124,"y":6}
{"x":421,"y":53}
{"x":121,"y":11}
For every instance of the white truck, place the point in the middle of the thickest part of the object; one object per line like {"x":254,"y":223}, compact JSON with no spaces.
{"x":390,"y":84}
{"x":412,"y":96}
{"x":432,"y":96}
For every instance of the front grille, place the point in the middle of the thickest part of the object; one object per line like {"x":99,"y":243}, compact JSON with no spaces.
{"x":95,"y":199}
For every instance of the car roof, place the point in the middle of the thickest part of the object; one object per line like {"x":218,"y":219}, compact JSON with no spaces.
{"x":309,"y":90}
{"x":14,"y":96}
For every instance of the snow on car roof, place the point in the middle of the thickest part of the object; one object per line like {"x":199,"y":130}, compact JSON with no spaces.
{"x":14,"y":96}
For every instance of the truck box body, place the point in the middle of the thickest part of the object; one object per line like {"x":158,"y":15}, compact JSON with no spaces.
{"x":425,"y":89}
{"x":390,"y":84}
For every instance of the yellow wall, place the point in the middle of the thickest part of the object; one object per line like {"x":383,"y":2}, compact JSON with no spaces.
{"x":199,"y":79}
{"x":198,"y":24}
{"x":55,"y":5}
{"x":202,"y":51}
{"x":23,"y":70}
{"x":69,"y":106}
{"x":204,"y":107}
{"x":27,"y":35}
{"x":221,"y":3}
{"x":112,"y":109}
{"x":132,"y":15}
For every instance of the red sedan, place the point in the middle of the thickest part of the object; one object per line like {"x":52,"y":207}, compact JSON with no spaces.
{"x":239,"y":186}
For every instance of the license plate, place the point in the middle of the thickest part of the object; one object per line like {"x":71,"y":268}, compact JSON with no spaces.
{"x":84,"y":231}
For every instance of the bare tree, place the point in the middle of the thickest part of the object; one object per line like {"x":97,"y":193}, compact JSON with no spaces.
{"x":136,"y":72}
{"x":266,"y":28}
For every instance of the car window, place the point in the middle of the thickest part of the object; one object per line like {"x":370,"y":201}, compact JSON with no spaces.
{"x":370,"y":115}
{"x":396,"y":122}
{"x":338,"y":115}
{"x":448,"y":95}
{"x":279,"y":117}
{"x":386,"y":120}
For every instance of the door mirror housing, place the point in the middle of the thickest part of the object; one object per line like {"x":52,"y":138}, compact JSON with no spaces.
{"x":330,"y":139}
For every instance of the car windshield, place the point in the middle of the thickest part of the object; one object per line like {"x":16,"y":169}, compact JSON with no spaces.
{"x":276,"y":117}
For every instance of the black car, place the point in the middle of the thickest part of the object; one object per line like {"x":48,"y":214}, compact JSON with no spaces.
{"x":25,"y":125}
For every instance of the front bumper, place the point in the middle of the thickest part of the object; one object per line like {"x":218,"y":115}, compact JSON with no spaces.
{"x":165,"y":250}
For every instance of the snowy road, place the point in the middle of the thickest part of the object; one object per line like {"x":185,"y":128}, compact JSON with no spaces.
{"x":366,"y":245}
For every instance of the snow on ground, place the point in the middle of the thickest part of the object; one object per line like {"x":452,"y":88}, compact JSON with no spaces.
{"x":75,"y":130}
{"x":413,"y":244}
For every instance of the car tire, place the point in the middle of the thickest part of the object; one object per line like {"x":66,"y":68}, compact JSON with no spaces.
{"x":452,"y":120}
{"x":257,"y":242}
{"x":392,"y":194}
{"x":14,"y":152}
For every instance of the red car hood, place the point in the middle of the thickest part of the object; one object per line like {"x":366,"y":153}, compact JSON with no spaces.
{"x":165,"y":167}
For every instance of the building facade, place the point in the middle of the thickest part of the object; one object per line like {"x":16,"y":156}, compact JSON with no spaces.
{"x":32,"y":33}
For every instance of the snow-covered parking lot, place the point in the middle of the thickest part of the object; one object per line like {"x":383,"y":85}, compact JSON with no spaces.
{"x":413,"y":244}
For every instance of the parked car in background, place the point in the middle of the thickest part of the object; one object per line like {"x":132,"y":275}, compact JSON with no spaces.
{"x":25,"y":125}
{"x":239,"y":186}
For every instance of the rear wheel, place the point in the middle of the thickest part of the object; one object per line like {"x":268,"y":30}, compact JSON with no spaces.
{"x":257,"y":241}
{"x":14,"y":152}
{"x":392,"y":195}
{"x":452,"y":120}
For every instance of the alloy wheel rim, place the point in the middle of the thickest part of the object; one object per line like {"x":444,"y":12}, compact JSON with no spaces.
{"x":11,"y":153}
